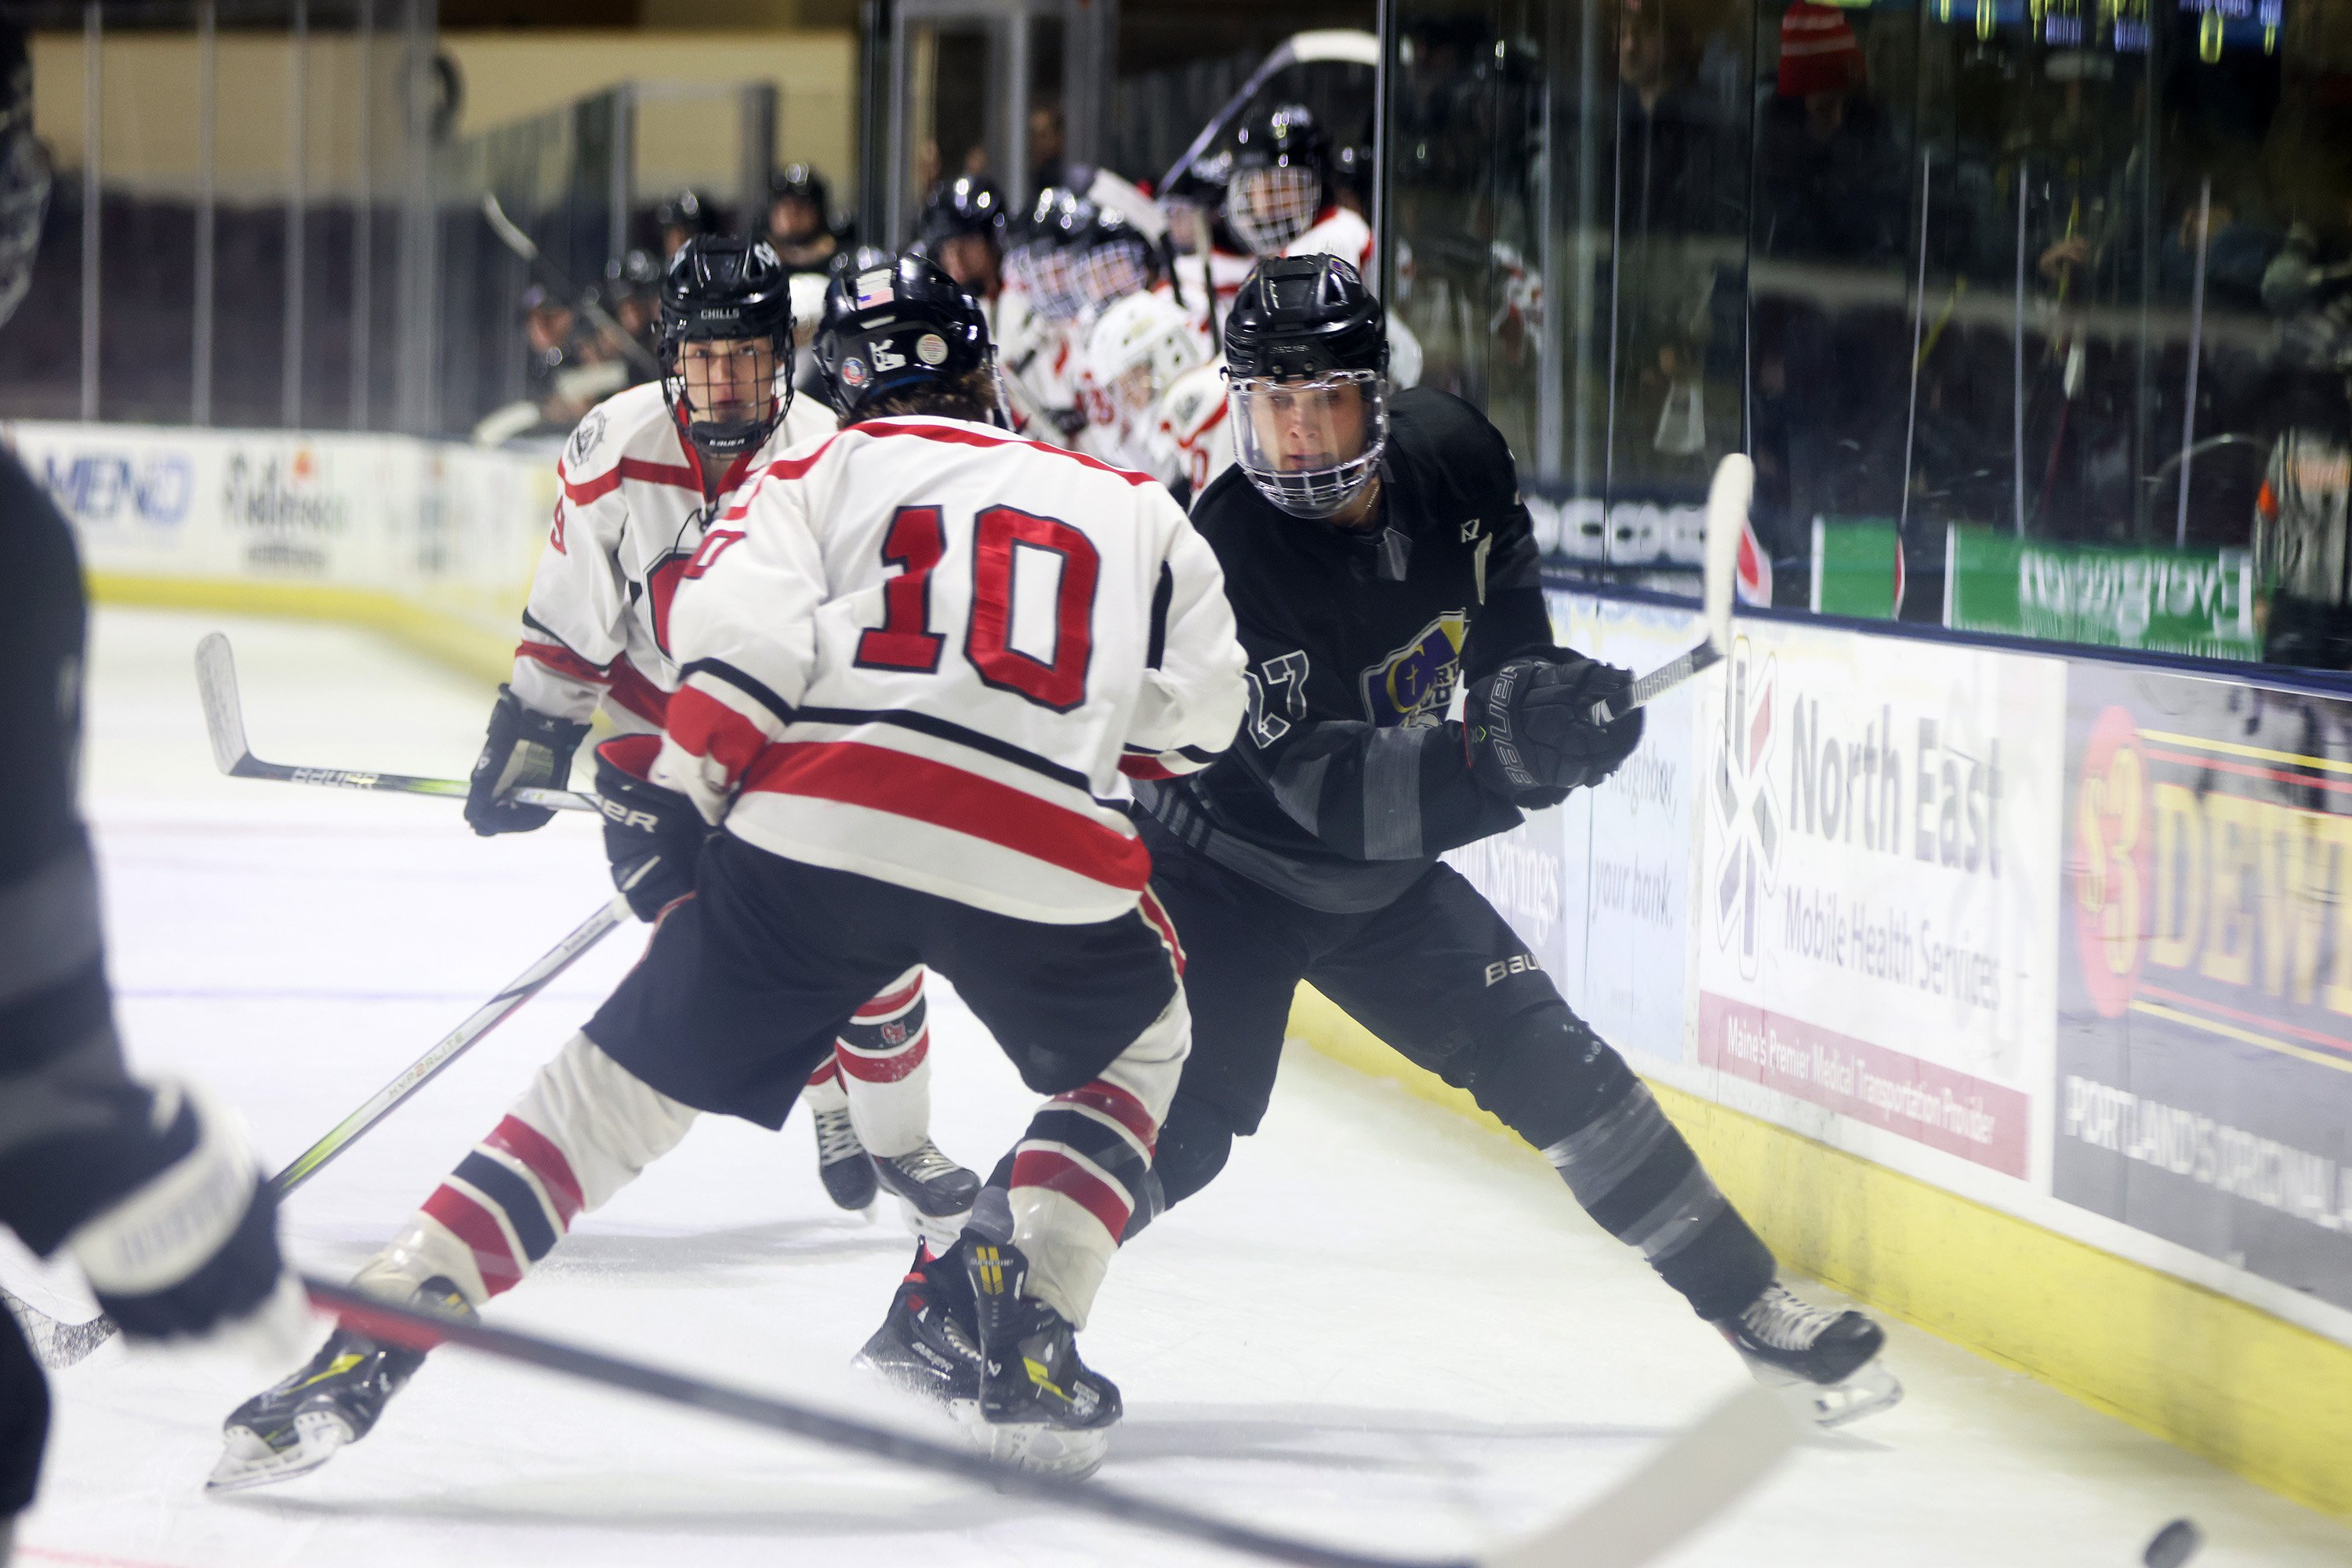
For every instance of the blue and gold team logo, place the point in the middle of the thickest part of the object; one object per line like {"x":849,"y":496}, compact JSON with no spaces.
{"x":1414,"y":685}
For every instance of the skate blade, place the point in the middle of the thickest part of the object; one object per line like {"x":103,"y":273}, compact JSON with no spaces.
{"x":1867,"y":1390}
{"x":1071,"y":1453}
{"x":247,"y":1462}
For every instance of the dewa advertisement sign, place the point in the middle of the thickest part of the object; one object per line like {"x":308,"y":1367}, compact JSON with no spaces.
{"x":2204,"y":1051}
{"x":1877,"y":894}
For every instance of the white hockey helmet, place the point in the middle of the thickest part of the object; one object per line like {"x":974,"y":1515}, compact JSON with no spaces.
{"x":1137,"y":346}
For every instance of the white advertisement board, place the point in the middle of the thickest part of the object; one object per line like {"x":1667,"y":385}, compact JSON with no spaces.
{"x":450,"y":529}
{"x":1878,"y":900}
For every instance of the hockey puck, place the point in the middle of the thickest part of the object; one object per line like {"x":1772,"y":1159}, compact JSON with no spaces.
{"x":2174,"y":1545}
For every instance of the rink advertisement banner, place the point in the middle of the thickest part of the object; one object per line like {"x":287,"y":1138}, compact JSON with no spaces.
{"x":1877,"y":886}
{"x":451,"y":529}
{"x":2204,"y":1058}
{"x":1599,"y":887}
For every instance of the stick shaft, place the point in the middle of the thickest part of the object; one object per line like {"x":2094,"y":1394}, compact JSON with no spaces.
{"x":456,"y":1043}
{"x":410,"y":1326}
{"x":252,"y":767}
{"x":1658,"y":682}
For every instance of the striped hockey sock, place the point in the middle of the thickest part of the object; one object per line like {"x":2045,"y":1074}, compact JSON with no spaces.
{"x":885,"y":1062}
{"x":582,"y":1133}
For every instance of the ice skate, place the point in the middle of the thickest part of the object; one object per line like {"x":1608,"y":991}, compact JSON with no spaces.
{"x":936,"y":1185}
{"x":1831,"y":1356}
{"x":841,"y":1163}
{"x":298,"y":1425}
{"x":1040,"y":1407}
{"x":928,"y":1346}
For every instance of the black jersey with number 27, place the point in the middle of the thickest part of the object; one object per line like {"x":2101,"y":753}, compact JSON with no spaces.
{"x":1347,"y":780}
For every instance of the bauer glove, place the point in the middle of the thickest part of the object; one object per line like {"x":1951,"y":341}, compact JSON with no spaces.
{"x":1529,"y":733}
{"x":645,"y":826}
{"x":191,"y":1252}
{"x":525,"y":750}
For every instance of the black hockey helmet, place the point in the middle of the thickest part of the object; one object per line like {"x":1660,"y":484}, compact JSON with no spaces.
{"x":689,"y":210}
{"x":800,"y":181}
{"x":24,"y":172}
{"x":1282,"y":165}
{"x":896,"y":328}
{"x":1109,"y":258}
{"x":1306,"y":360}
{"x":966,"y":204}
{"x":732,"y":290}
{"x":1045,"y":261}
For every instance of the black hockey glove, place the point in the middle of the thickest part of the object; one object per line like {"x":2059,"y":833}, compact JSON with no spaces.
{"x":526,"y":750}
{"x":192,"y":1250}
{"x":645,"y":823}
{"x":1530,"y":731}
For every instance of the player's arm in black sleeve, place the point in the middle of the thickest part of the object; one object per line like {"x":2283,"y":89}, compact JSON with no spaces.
{"x":1366,"y":792}
{"x":1512,"y":622}
{"x":82,"y":1143}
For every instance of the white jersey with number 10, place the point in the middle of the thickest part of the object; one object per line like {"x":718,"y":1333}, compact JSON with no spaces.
{"x":933,"y":652}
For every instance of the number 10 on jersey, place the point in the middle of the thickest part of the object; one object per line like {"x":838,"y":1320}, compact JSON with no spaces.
{"x":1003,"y":538}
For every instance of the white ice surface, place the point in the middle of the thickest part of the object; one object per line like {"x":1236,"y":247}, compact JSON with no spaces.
{"x":1381,"y":1328}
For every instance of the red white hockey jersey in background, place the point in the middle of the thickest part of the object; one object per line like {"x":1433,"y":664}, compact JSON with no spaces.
{"x":629,"y":513}
{"x":928,"y":650}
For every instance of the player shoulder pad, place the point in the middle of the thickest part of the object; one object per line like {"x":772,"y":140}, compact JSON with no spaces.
{"x":618,"y":426}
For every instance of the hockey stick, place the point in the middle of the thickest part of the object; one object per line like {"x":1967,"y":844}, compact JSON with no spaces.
{"x":1727,"y":520}
{"x":1693,"y":1478}
{"x":580,"y":300}
{"x":57,"y":1344}
{"x":224,"y":722}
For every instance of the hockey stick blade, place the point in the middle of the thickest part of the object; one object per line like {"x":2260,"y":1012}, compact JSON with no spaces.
{"x":1727,"y":498}
{"x":1694,"y":1478}
{"x":233,"y":754}
{"x":57,"y":1344}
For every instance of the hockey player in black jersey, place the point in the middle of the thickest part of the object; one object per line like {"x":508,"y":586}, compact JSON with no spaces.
{"x":1378,"y":556}
{"x":149,"y":1185}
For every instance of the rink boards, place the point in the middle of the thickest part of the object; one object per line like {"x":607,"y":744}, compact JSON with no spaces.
{"x":431,"y":541}
{"x":2011,"y":992}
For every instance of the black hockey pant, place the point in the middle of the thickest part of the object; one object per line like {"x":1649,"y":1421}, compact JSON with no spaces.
{"x":1441,"y":978}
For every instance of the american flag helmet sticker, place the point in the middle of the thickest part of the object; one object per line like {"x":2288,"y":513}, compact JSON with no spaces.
{"x":875,"y":289}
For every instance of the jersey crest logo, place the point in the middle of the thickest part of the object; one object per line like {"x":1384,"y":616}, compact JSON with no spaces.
{"x":585,"y":438}
{"x":1414,"y":686}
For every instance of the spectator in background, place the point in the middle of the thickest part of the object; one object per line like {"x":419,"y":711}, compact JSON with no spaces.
{"x":800,"y":220}
{"x":633,"y":285}
{"x":683,"y":216}
{"x":1829,"y":410}
{"x":1829,"y":173}
{"x":1048,"y":147}
{"x":1682,"y":186}
{"x":962,"y":228}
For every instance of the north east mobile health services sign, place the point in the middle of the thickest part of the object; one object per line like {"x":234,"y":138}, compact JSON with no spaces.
{"x":1880,"y":821}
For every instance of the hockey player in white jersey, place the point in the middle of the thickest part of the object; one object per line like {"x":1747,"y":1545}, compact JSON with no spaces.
{"x":638,"y":484}
{"x":1136,"y":350}
{"x":920,"y":661}
{"x":1283,"y":200}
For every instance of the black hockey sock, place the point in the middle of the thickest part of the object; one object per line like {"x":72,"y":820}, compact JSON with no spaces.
{"x":1567,"y":1091}
{"x":1195,"y":1139}
{"x":1642,"y":1182}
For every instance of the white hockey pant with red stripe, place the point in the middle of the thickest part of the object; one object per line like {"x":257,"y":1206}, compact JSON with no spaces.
{"x":582,"y":1133}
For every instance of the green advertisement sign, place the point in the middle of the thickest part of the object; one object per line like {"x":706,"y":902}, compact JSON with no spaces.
{"x":2166,"y":601}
